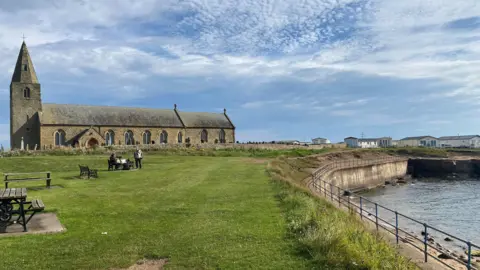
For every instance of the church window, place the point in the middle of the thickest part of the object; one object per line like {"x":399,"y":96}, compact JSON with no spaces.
{"x":147,"y":137}
{"x":26,"y":92}
{"x":110,"y":137}
{"x":59,"y":137}
{"x":180,"y":137}
{"x":25,"y":67}
{"x":129,"y":138}
{"x":163,"y":137}
{"x":204,"y":136}
{"x":221,"y":136}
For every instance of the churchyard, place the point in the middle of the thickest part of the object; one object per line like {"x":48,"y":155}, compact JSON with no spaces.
{"x":196,"y":211}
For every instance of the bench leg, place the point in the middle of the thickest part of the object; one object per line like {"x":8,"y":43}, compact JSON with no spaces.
{"x":22,"y":213}
{"x":6,"y":185}
{"x":48,"y":183}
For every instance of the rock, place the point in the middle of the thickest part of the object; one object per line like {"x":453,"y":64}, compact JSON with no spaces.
{"x":347,"y":193}
{"x":387,"y":182}
{"x":475,"y":253}
{"x":439,"y":246}
{"x":448,"y":239}
{"x":430,"y":239}
{"x":401,"y":181}
{"x":444,"y":256}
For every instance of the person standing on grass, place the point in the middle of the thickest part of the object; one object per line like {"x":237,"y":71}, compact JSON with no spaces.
{"x":138,"y":158}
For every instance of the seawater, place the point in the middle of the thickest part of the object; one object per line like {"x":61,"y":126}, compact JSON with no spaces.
{"x":450,"y":205}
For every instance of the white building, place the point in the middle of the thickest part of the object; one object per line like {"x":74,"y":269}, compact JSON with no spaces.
{"x":425,"y":141}
{"x":353,"y":142}
{"x":467,"y":141}
{"x":320,"y":141}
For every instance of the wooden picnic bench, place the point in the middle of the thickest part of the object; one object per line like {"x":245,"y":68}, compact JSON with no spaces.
{"x":31,"y":176}
{"x":11,"y":197}
{"x":87,"y":172}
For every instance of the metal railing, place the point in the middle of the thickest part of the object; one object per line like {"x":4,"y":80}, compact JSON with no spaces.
{"x":364,"y":208}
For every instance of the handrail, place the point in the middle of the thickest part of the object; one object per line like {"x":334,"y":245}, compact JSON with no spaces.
{"x":320,"y":187}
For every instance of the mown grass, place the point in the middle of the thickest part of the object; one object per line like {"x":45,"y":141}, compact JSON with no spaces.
{"x":201,"y":212}
{"x":331,"y":238}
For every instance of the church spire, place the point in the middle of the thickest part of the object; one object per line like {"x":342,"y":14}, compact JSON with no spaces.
{"x":24,"y":71}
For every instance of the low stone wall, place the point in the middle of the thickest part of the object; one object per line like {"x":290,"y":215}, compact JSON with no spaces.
{"x":368,"y":176}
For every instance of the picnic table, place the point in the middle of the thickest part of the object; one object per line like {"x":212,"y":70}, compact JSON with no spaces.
{"x":13,"y":202}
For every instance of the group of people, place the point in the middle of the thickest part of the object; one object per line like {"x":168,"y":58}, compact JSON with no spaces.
{"x":137,"y":155}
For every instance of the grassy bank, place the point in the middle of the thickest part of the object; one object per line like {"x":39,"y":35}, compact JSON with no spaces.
{"x":179,"y":151}
{"x":201,"y":212}
{"x":331,"y":238}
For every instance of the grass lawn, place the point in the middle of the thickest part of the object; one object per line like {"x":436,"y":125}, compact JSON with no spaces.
{"x":201,"y":212}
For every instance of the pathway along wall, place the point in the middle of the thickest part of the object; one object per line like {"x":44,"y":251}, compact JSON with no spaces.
{"x":367,"y":176}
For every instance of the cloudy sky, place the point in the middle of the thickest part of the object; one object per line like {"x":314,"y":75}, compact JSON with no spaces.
{"x":291,"y":69}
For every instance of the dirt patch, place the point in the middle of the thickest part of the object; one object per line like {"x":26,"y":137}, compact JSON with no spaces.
{"x":256,"y":160}
{"x":146,"y":265}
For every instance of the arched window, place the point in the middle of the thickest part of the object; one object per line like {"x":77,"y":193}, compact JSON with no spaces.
{"x":147,"y":137}
{"x":204,"y":136}
{"x":129,"y":140}
{"x":221,"y":136}
{"x":110,"y":137}
{"x":26,"y":92}
{"x":163,"y":137}
{"x":59,"y":137}
{"x":180,"y":137}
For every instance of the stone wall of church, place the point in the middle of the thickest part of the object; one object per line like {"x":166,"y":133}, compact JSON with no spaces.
{"x":71,"y":132}
{"x":213,"y":133}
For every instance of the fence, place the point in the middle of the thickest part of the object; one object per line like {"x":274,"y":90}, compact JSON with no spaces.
{"x":391,"y":225}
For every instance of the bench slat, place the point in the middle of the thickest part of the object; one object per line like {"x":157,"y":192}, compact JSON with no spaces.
{"x":26,"y":179}
{"x":37,"y":205}
{"x":8,"y":174}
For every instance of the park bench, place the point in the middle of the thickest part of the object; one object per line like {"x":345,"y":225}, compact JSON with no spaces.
{"x":87,"y":172}
{"x":32,"y":176}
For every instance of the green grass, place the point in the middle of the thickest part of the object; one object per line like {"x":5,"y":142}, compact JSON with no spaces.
{"x":330,"y":238}
{"x":201,"y":212}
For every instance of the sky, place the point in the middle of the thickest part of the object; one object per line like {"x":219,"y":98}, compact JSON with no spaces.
{"x":291,"y":69}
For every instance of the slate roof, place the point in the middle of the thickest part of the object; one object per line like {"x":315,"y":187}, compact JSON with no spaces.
{"x":67,"y":114}
{"x":204,"y":120}
{"x":463,"y":137}
{"x":416,"y":138}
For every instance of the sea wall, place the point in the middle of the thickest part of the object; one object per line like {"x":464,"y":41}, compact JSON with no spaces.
{"x":419,"y":167}
{"x":368,"y":176}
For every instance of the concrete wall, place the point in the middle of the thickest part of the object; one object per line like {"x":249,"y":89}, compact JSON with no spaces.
{"x":366,"y":177}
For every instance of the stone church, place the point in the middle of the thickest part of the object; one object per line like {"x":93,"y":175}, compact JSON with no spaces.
{"x":45,"y":125}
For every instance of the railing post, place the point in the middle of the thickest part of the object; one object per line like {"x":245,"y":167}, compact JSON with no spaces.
{"x":325,"y":188}
{"x":425,"y":241}
{"x":361,"y":209}
{"x":396,"y":225}
{"x":469,"y":264}
{"x":348,"y":199}
{"x":338,"y":195}
{"x":331,"y":192}
{"x":376,"y":215}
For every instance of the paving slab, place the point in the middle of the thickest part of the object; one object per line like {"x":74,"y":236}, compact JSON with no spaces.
{"x":43,"y":223}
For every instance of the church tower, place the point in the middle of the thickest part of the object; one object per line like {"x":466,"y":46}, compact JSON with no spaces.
{"x":25,"y":103}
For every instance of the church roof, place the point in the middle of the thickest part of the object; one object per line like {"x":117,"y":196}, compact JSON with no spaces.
{"x":24,"y":71}
{"x":86,"y":115}
{"x":204,"y":120}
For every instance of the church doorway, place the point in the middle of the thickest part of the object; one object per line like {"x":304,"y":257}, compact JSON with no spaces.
{"x":92,"y":143}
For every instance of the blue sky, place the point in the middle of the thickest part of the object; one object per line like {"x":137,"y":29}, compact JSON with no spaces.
{"x":283,"y":69}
